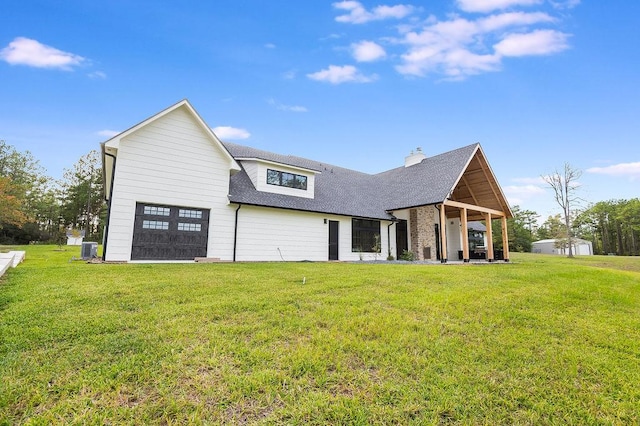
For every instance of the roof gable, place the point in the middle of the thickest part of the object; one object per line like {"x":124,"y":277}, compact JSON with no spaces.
{"x":478,"y":185}
{"x":114,"y":142}
{"x":110,"y":147}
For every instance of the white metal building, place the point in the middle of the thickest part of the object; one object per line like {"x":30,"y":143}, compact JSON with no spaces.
{"x":550,"y":246}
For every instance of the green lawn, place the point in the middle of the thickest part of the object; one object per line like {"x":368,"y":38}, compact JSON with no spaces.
{"x":543,"y":340}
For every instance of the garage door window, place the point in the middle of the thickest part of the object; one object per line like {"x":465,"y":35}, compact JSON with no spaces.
{"x":192,"y":227}
{"x":155,"y":224}
{"x":194,"y":214}
{"x":157,"y":211}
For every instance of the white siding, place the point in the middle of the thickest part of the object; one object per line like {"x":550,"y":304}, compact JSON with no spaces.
{"x":454,"y":238}
{"x":269,"y":234}
{"x":171,"y":161}
{"x":251,"y":167}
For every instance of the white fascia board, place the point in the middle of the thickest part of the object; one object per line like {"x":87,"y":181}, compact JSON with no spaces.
{"x":275,"y":163}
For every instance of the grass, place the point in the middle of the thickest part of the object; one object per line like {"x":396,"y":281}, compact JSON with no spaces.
{"x":543,"y":340}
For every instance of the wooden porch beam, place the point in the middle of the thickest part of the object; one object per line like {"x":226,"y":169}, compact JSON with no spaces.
{"x":505,"y":239}
{"x":489,"y":237}
{"x":466,"y":182}
{"x":465,"y":236}
{"x":460,"y":205}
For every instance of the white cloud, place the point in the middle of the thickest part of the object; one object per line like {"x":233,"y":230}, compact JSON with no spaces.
{"x":106,"y":133}
{"x":539,"y":42}
{"x":511,"y":19}
{"x":283,"y":107}
{"x":97,"y":75}
{"x":270,"y":46}
{"x":230,"y":133}
{"x":25,"y":51}
{"x":530,"y":181}
{"x":367,"y":51}
{"x":564,"y":4}
{"x":475,"y":40}
{"x":485,"y":6}
{"x":524,"y":190}
{"x":341,"y":74}
{"x":358,"y":14}
{"x":518,"y":194}
{"x":459,"y":47}
{"x":630,"y":170}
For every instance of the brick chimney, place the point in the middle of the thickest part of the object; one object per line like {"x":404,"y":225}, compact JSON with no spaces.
{"x":414,"y":158}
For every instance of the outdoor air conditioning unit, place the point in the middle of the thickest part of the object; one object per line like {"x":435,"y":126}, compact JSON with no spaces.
{"x":89,"y":250}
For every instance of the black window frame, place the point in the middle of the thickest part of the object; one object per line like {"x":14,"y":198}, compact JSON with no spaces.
{"x":287,"y":179}
{"x":363,"y":235}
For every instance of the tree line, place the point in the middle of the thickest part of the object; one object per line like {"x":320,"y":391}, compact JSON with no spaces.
{"x":612,"y":226}
{"x":37,"y":208}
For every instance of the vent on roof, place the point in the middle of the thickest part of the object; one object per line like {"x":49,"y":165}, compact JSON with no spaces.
{"x":414,"y":158}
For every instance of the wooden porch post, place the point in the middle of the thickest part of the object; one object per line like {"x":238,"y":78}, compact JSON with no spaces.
{"x":489,"y":238}
{"x":443,"y":235}
{"x":505,"y":239}
{"x":465,"y":236}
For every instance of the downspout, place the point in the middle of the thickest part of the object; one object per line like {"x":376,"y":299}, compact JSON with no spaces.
{"x":106,"y":225}
{"x":443,"y":257}
{"x":235,"y":233}
{"x":389,"y":240}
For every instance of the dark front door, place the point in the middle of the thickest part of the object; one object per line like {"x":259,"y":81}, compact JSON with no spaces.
{"x":333,"y":240}
{"x":402,"y":241}
{"x":169,"y":232}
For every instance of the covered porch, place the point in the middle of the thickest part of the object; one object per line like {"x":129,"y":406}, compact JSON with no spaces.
{"x":466,"y":213}
{"x":477,"y":196}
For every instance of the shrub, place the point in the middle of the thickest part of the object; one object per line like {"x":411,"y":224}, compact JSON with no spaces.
{"x":408,"y":256}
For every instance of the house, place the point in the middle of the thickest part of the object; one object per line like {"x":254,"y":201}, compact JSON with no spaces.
{"x":176,"y":192}
{"x":558,"y":246}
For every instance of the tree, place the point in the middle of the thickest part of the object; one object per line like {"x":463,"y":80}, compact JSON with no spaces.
{"x":552,"y":228}
{"x":81,"y":197}
{"x":10,"y":204}
{"x":614,"y":226}
{"x":519,"y":229}
{"x":21,"y":188}
{"x":565,"y":186}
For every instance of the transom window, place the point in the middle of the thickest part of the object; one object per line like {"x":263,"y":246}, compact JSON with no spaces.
{"x":192,"y":227}
{"x":194,"y":214}
{"x":365,"y":235}
{"x":286,"y":179}
{"x":155,"y":224}
{"x":157,"y":211}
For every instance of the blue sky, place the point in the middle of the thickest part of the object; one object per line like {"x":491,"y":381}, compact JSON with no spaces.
{"x":358,"y":84}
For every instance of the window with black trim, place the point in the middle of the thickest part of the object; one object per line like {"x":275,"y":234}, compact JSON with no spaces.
{"x":365,"y":235}
{"x":286,"y":179}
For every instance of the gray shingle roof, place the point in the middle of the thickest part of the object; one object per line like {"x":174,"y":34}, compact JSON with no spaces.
{"x":351,"y":193}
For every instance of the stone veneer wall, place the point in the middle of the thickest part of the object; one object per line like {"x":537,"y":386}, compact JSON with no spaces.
{"x":422,"y":231}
